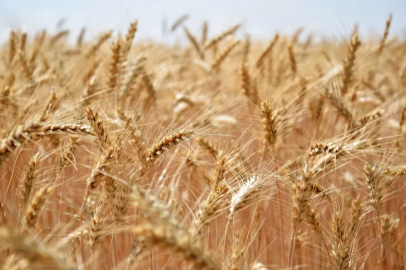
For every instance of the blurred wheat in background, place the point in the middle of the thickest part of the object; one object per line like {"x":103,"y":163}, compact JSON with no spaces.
{"x":219,"y":153}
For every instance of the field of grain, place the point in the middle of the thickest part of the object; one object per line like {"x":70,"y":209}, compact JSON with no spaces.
{"x":217,"y":153}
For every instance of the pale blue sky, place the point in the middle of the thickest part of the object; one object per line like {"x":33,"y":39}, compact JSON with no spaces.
{"x":262,"y":18}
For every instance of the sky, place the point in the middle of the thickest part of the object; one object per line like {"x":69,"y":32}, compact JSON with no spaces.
{"x":261,"y":18}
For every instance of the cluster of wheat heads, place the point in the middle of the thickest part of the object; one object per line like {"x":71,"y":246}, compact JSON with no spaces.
{"x":220,"y":154}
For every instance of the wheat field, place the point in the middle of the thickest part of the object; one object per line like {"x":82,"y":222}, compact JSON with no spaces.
{"x":216,"y":153}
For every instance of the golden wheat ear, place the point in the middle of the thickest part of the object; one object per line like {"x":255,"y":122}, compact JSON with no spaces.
{"x":385,"y":35}
{"x":36,"y":206}
{"x":267,"y":51}
{"x":216,"y":64}
{"x":248,"y":85}
{"x":15,"y":138}
{"x":67,"y":156}
{"x":11,"y":47}
{"x":179,"y":243}
{"x":81,"y":37}
{"x":179,"y":22}
{"x":3,"y":217}
{"x":134,"y":71}
{"x":205,"y":31}
{"x":340,"y":250}
{"x":339,"y":105}
{"x":166,"y":233}
{"x":28,"y":180}
{"x":215,"y":200}
{"x":98,"y":127}
{"x":37,"y":255}
{"x":129,"y":38}
{"x":114,"y":66}
{"x":349,"y":62}
{"x":269,"y":123}
{"x":292,"y":60}
{"x":193,"y":41}
{"x":135,"y":255}
{"x":95,"y":227}
{"x":58,"y":36}
{"x":96,"y":46}
{"x":213,"y":42}
{"x":159,"y":148}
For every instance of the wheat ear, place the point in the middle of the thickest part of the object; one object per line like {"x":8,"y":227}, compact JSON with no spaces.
{"x":340,"y":250}
{"x":67,"y":156}
{"x":385,"y":35}
{"x":11,"y":47}
{"x":267,"y":51}
{"x":208,"y":146}
{"x":149,"y":87}
{"x":35,"y":207}
{"x":292,"y":60}
{"x":349,"y":63}
{"x":98,"y":127}
{"x":15,"y":138}
{"x":136,"y":69}
{"x":96,"y":46}
{"x":168,"y":234}
{"x":96,"y":225}
{"x":129,"y":38}
{"x":193,"y":41}
{"x":179,"y":21}
{"x":177,"y":242}
{"x":205,"y":30}
{"x":159,"y":148}
{"x":114,"y":66}
{"x":339,"y":105}
{"x":28,"y":179}
{"x":269,"y":123}
{"x":134,"y":132}
{"x":37,"y":255}
{"x":80,"y":38}
{"x":221,"y":36}
{"x":212,"y":204}
{"x":216,"y":64}
{"x":248,"y":85}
